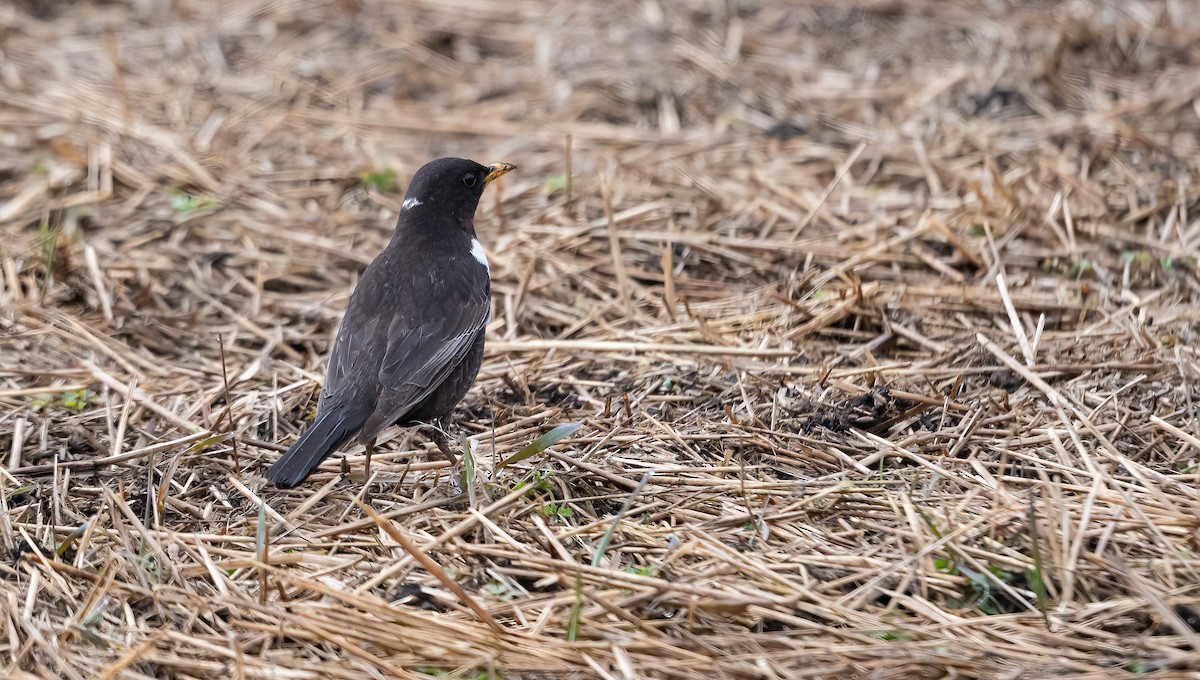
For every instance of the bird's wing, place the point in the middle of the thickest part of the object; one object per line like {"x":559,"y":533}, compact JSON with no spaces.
{"x":421,"y":354}
{"x":347,"y":354}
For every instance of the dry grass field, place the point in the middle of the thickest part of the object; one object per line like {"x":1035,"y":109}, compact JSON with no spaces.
{"x":879,"y":321}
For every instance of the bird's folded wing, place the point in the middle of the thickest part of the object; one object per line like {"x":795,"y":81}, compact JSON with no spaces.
{"x":420,"y":355}
{"x":351,"y":352}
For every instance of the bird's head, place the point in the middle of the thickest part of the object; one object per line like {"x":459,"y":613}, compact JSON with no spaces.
{"x":451,"y":186}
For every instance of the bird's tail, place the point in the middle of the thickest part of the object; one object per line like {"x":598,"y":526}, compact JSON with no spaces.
{"x":327,"y":434}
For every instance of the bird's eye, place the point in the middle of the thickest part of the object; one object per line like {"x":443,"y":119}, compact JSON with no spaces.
{"x":470,"y":179}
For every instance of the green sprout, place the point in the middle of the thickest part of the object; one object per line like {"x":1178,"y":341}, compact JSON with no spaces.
{"x":382,"y":181}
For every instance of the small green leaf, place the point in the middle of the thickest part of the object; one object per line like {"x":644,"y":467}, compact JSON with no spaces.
{"x":76,"y":400}
{"x":20,"y":491}
{"x":888,"y":635}
{"x":982,"y":589}
{"x":540,"y":482}
{"x":207,"y":442}
{"x":380,"y":180}
{"x":542,"y":443}
{"x":1140,"y":258}
{"x":499,"y":590}
{"x":1079,"y":268}
{"x":188,"y":203}
{"x":557,"y":510}
{"x":1001,"y":575}
{"x":39,"y":403}
{"x":976,"y":579}
{"x":556,"y":182}
{"x":641,"y":571}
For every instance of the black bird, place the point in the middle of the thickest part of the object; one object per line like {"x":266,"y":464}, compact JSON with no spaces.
{"x":411,"y":342}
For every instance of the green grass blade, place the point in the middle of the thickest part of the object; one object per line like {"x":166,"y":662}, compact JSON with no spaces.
{"x":468,"y":470}
{"x":607,"y":537}
{"x":542,"y":443}
{"x":576,"y":611}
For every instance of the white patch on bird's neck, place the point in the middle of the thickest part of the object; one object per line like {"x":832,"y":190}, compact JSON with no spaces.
{"x":477,"y":252}
{"x":410,"y":203}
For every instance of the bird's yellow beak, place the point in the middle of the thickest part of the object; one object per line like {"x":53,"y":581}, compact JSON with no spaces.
{"x":498,"y":169}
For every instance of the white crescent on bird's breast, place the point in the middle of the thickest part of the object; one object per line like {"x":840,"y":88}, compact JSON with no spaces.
{"x":478,"y":254}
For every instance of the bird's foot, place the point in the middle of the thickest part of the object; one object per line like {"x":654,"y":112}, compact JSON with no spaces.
{"x":443,"y":442}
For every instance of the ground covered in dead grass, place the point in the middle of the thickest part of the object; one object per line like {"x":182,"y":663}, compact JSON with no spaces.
{"x":879,"y":318}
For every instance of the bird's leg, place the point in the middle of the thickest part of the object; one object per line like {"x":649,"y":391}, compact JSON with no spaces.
{"x":367,"y":465}
{"x":443,"y":443}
